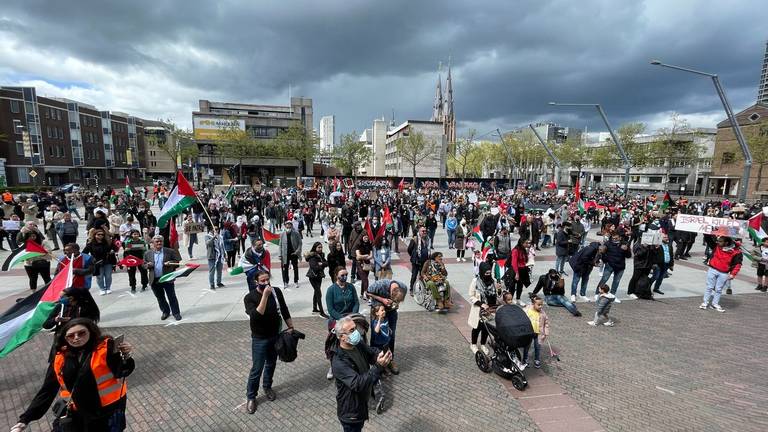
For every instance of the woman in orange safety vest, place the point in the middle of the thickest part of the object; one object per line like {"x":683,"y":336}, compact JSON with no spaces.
{"x":88,"y":372}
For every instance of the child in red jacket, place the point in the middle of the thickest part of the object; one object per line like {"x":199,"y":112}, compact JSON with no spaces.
{"x":723,"y":266}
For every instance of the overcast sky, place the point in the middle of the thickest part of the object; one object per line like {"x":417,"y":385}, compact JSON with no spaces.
{"x":359,"y":60}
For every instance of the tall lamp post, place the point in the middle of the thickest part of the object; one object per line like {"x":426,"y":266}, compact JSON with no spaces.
{"x":549,"y":151}
{"x":619,"y":146}
{"x":734,"y":124}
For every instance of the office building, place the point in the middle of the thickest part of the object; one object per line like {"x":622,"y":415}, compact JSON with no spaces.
{"x":728,"y":163}
{"x":53,"y":141}
{"x":433,"y":165}
{"x":327,"y":133}
{"x":159,"y":161}
{"x":762,"y":89}
{"x":262,"y":122}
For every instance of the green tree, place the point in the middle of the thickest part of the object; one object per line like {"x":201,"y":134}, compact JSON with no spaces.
{"x":571,"y":153}
{"x":296,"y":142}
{"x":757,"y":140}
{"x":466,"y":158}
{"x":415,"y":149}
{"x":351,"y":154}
{"x":235,"y":143}
{"x":639,"y":154}
{"x":678,"y":141}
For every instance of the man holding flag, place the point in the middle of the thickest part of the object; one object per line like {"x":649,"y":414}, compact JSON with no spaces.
{"x":160,"y":261}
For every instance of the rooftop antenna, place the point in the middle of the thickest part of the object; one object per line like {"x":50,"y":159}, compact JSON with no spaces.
{"x":393,"y":118}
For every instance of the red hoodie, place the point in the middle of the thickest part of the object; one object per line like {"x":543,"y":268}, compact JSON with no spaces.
{"x":726,"y":261}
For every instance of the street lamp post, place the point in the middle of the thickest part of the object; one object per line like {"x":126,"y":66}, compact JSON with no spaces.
{"x":549,"y":151}
{"x":732,"y":118}
{"x":619,"y":146}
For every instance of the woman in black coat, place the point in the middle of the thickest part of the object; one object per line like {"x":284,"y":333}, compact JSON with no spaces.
{"x":315,"y":274}
{"x":336,"y":257}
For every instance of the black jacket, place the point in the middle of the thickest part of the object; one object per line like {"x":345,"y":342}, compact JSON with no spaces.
{"x":287,"y":345}
{"x":353,"y":387}
{"x":561,"y":243}
{"x":584,"y":260}
{"x":615,"y":256}
{"x":550,"y":287}
{"x":643,"y":258}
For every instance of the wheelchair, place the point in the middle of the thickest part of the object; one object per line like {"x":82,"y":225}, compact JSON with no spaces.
{"x":423,"y":296}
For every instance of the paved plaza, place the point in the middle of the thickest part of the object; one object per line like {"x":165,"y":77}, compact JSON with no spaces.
{"x":666,"y":366}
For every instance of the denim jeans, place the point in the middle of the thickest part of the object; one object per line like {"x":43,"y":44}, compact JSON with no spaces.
{"x":264,"y":360}
{"x":558,"y":300}
{"x":546,"y":240}
{"x":214,"y":267}
{"x":606,"y":275}
{"x":716,"y":280}
{"x":536,"y":349}
{"x":560,"y":263}
{"x":658,"y":275}
{"x":451,"y":237}
{"x":584,"y":278}
{"x":104,"y":279}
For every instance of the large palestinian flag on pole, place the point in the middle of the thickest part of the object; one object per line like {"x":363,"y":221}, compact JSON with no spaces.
{"x":579,"y":201}
{"x":666,"y":202}
{"x":758,"y":226}
{"x":24,"y":319}
{"x":29,"y":251}
{"x":182,"y":196}
{"x":128,"y":189}
{"x":478,"y":236}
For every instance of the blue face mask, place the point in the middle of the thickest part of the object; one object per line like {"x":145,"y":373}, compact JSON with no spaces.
{"x":354,"y":338}
{"x":64,"y":301}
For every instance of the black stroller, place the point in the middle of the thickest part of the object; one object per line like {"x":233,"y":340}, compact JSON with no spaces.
{"x":511,"y":329}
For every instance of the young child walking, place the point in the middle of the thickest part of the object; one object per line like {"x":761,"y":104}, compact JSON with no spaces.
{"x":603,"y":306}
{"x":540,"y":323}
{"x":380,"y":336}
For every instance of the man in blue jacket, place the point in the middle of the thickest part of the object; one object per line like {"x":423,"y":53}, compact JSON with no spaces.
{"x":616,"y":253}
{"x":582,"y":263}
{"x":354,"y":375}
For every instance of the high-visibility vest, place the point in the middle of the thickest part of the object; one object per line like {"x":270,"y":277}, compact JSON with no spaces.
{"x":110,"y":388}
{"x":7,"y":197}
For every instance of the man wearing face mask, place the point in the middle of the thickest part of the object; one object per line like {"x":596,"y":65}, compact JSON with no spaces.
{"x":255,"y":259}
{"x":82,"y":266}
{"x":351,"y":365}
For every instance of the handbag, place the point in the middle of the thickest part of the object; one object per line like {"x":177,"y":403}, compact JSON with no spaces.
{"x":365,"y":266}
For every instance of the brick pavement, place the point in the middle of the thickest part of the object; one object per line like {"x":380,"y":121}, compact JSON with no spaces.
{"x":192,"y":378}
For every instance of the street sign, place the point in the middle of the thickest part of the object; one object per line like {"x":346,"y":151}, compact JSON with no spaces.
{"x":33,"y":173}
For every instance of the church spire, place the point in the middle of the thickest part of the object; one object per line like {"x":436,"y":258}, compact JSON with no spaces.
{"x":437,"y":106}
{"x":448,"y":109}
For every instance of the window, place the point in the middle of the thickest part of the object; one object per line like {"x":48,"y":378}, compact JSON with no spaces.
{"x":728,"y":158}
{"x":50,"y":151}
{"x":48,"y":131}
{"x":22,"y":174}
{"x":47,"y":113}
{"x":61,"y":133}
{"x":58,"y":114}
{"x":18,"y":127}
{"x":20,"y":148}
{"x":635,"y":179}
{"x":15,"y":107}
{"x":656,"y":179}
{"x":754,"y":117}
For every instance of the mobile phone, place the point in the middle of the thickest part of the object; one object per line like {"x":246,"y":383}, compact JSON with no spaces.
{"x":118,"y":341}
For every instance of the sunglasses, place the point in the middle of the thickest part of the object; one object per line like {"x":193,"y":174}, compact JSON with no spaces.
{"x":76,"y":335}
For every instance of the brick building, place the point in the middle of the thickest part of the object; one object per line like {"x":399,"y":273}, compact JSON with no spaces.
{"x":65,"y":141}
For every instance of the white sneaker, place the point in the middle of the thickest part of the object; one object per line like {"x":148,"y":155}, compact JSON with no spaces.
{"x":329,"y":375}
{"x":101,"y":293}
{"x":521,"y":303}
{"x":585,"y":299}
{"x":616,"y":300}
{"x":633,"y":297}
{"x":485,"y":350}
{"x":608,"y":323}
{"x":592,"y":323}
{"x":718,"y":308}
{"x":109,"y":291}
{"x":573,"y":299}
{"x":703,"y":306}
{"x":474,"y":348}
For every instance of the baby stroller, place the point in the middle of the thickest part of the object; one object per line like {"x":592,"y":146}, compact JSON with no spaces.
{"x":509,"y":330}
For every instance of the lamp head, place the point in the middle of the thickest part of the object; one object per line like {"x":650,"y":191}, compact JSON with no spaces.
{"x":655,"y":62}
{"x":552,"y":103}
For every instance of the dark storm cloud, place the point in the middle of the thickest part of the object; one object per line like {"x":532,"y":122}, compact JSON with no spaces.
{"x":358,"y":59}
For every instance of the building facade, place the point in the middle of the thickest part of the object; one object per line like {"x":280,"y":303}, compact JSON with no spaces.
{"x":367,"y":139}
{"x":433,"y":165}
{"x":262,"y":122}
{"x":327,"y":133}
{"x":728,"y":163}
{"x":54,"y":141}
{"x":159,"y":162}
{"x":762,"y":89}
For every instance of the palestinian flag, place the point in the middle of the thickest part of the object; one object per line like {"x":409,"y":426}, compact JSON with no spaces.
{"x":579,"y":201}
{"x":182,"y":272}
{"x":112,"y":197}
{"x":182,"y":196}
{"x":387,"y":221}
{"x":478,"y":235}
{"x":748,"y":255}
{"x":757,"y":226}
{"x":271,"y":237}
{"x":130,"y":261}
{"x":30,"y":250}
{"x":25,"y":318}
{"x":666,"y":202}
{"x":230,"y":193}
{"x":128,"y":189}
{"x":499,"y":268}
{"x":234,"y":271}
{"x":401,"y":185}
{"x":486,"y":250}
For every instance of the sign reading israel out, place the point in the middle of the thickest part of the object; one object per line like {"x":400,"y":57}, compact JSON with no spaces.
{"x":207,"y":128}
